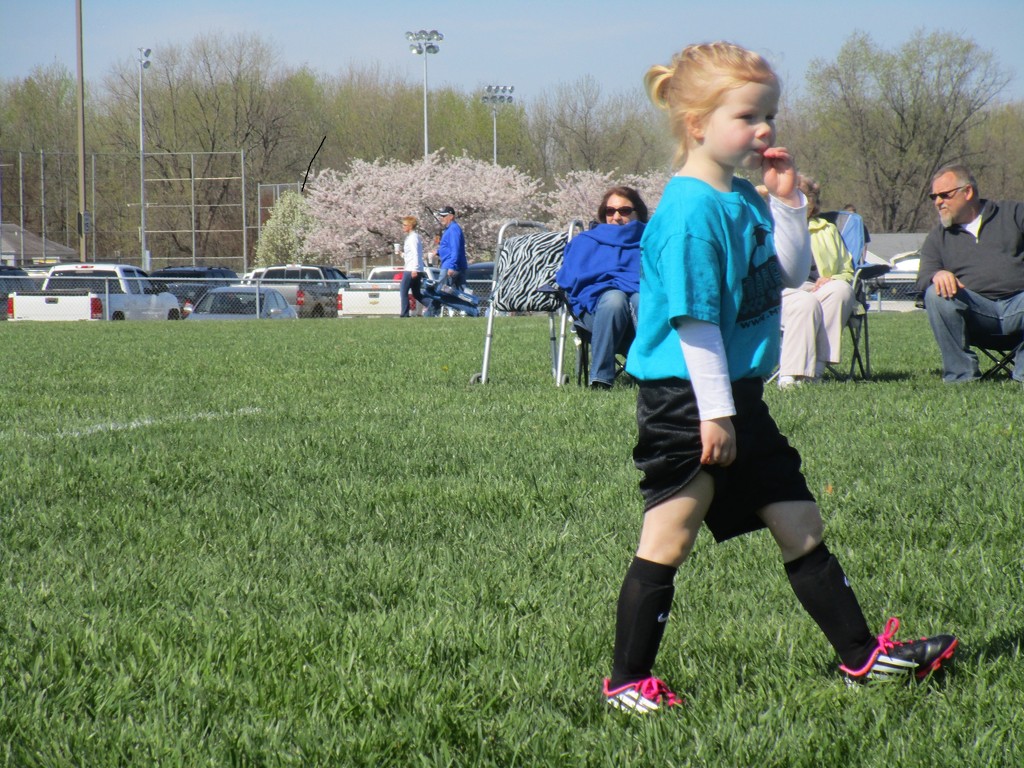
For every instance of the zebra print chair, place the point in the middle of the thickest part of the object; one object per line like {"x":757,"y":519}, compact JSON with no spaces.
{"x":524,"y":273}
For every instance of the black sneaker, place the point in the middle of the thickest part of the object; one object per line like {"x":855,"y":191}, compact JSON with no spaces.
{"x":892,"y":659}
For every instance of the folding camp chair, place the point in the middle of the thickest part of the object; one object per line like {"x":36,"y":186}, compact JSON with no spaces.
{"x":524,"y":273}
{"x":864,"y":282}
{"x":864,"y":279}
{"x":1000,"y":349}
{"x":583,"y":340}
{"x":852,"y":230}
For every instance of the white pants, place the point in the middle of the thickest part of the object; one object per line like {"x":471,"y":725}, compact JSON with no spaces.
{"x":812,"y":323}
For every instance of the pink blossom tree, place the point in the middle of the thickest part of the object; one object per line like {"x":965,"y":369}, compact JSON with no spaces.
{"x":357,"y":213}
{"x":576,"y":194}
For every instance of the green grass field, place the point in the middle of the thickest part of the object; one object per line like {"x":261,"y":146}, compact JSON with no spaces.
{"x":315,"y":543}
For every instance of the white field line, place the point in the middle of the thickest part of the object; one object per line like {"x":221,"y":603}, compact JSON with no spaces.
{"x":117,"y":426}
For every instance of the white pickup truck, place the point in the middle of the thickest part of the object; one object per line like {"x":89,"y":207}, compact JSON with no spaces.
{"x":379,"y":295}
{"x":94,"y":292}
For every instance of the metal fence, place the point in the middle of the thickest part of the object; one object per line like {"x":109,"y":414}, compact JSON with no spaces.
{"x":104,"y":295}
{"x":895,"y":291}
{"x":139,"y":295}
{"x":195,"y":206}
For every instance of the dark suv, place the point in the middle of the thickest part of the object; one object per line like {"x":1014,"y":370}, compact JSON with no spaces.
{"x":189,"y":284}
{"x":479,"y":279}
{"x":212,"y":273}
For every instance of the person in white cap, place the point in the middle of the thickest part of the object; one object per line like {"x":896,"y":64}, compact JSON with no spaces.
{"x":451,"y":251}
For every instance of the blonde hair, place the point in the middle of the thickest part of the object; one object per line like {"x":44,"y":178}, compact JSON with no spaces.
{"x":412,"y":221}
{"x":692,"y":86}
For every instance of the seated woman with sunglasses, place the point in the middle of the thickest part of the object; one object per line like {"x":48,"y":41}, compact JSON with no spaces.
{"x":601,"y":276}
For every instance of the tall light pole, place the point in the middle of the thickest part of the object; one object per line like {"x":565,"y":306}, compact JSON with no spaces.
{"x":423,"y":43}
{"x":143,"y":64}
{"x":495,"y":95}
{"x":84,"y":226}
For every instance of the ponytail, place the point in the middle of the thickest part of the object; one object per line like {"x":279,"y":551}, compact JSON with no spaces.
{"x":656,"y":82}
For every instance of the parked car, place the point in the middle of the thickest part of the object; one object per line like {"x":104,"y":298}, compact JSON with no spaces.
{"x":480,"y":281}
{"x":378,"y":296}
{"x":380,"y":274}
{"x":187,"y":294}
{"x":94,"y":291}
{"x":480,"y":271}
{"x":242,"y":302}
{"x":196,"y":273}
{"x":311,"y":289}
{"x":189,"y":283}
{"x":13,"y":279}
{"x":252,"y":275}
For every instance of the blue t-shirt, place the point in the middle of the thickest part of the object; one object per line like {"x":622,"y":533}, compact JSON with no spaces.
{"x":710,"y":256}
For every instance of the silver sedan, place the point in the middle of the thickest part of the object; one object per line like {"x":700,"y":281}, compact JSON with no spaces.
{"x":242,"y":302}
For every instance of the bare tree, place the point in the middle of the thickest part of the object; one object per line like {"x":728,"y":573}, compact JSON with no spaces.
{"x":372,"y":114}
{"x":882,"y":122}
{"x":997,"y":152}
{"x":37,"y":138}
{"x":204,"y":105}
{"x":576,"y":128}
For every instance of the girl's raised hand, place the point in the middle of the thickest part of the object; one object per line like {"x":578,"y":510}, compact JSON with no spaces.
{"x":779,"y":172}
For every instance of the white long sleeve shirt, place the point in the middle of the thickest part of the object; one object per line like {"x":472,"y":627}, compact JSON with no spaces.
{"x":702,"y":344}
{"x":412,"y":252}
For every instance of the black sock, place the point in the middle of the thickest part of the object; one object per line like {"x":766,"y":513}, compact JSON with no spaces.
{"x":644,"y":604}
{"x":821,"y":587}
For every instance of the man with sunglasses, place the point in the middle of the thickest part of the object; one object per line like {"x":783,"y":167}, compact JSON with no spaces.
{"x":972,"y":272}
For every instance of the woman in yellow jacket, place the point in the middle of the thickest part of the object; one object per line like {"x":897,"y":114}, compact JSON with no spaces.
{"x":814,"y":315}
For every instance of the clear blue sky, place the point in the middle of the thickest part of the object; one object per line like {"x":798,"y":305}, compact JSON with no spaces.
{"x":531,"y":44}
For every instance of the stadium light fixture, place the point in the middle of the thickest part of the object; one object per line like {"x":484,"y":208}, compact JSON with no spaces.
{"x":424,"y":43}
{"x":143,"y":64}
{"x":495,"y":95}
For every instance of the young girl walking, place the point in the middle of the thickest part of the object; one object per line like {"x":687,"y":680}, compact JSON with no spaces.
{"x":715,"y":260}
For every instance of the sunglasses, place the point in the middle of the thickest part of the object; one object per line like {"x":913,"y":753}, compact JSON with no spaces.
{"x":947,"y":194}
{"x":626,"y":210}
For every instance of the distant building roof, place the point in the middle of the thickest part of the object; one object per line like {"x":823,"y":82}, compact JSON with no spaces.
{"x":18,"y":246}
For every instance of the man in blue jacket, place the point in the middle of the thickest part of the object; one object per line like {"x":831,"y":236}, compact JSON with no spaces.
{"x":972,"y":272}
{"x":451,"y":251}
{"x":601,"y":275}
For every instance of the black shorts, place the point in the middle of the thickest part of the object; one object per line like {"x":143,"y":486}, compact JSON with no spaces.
{"x":668,"y":450}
